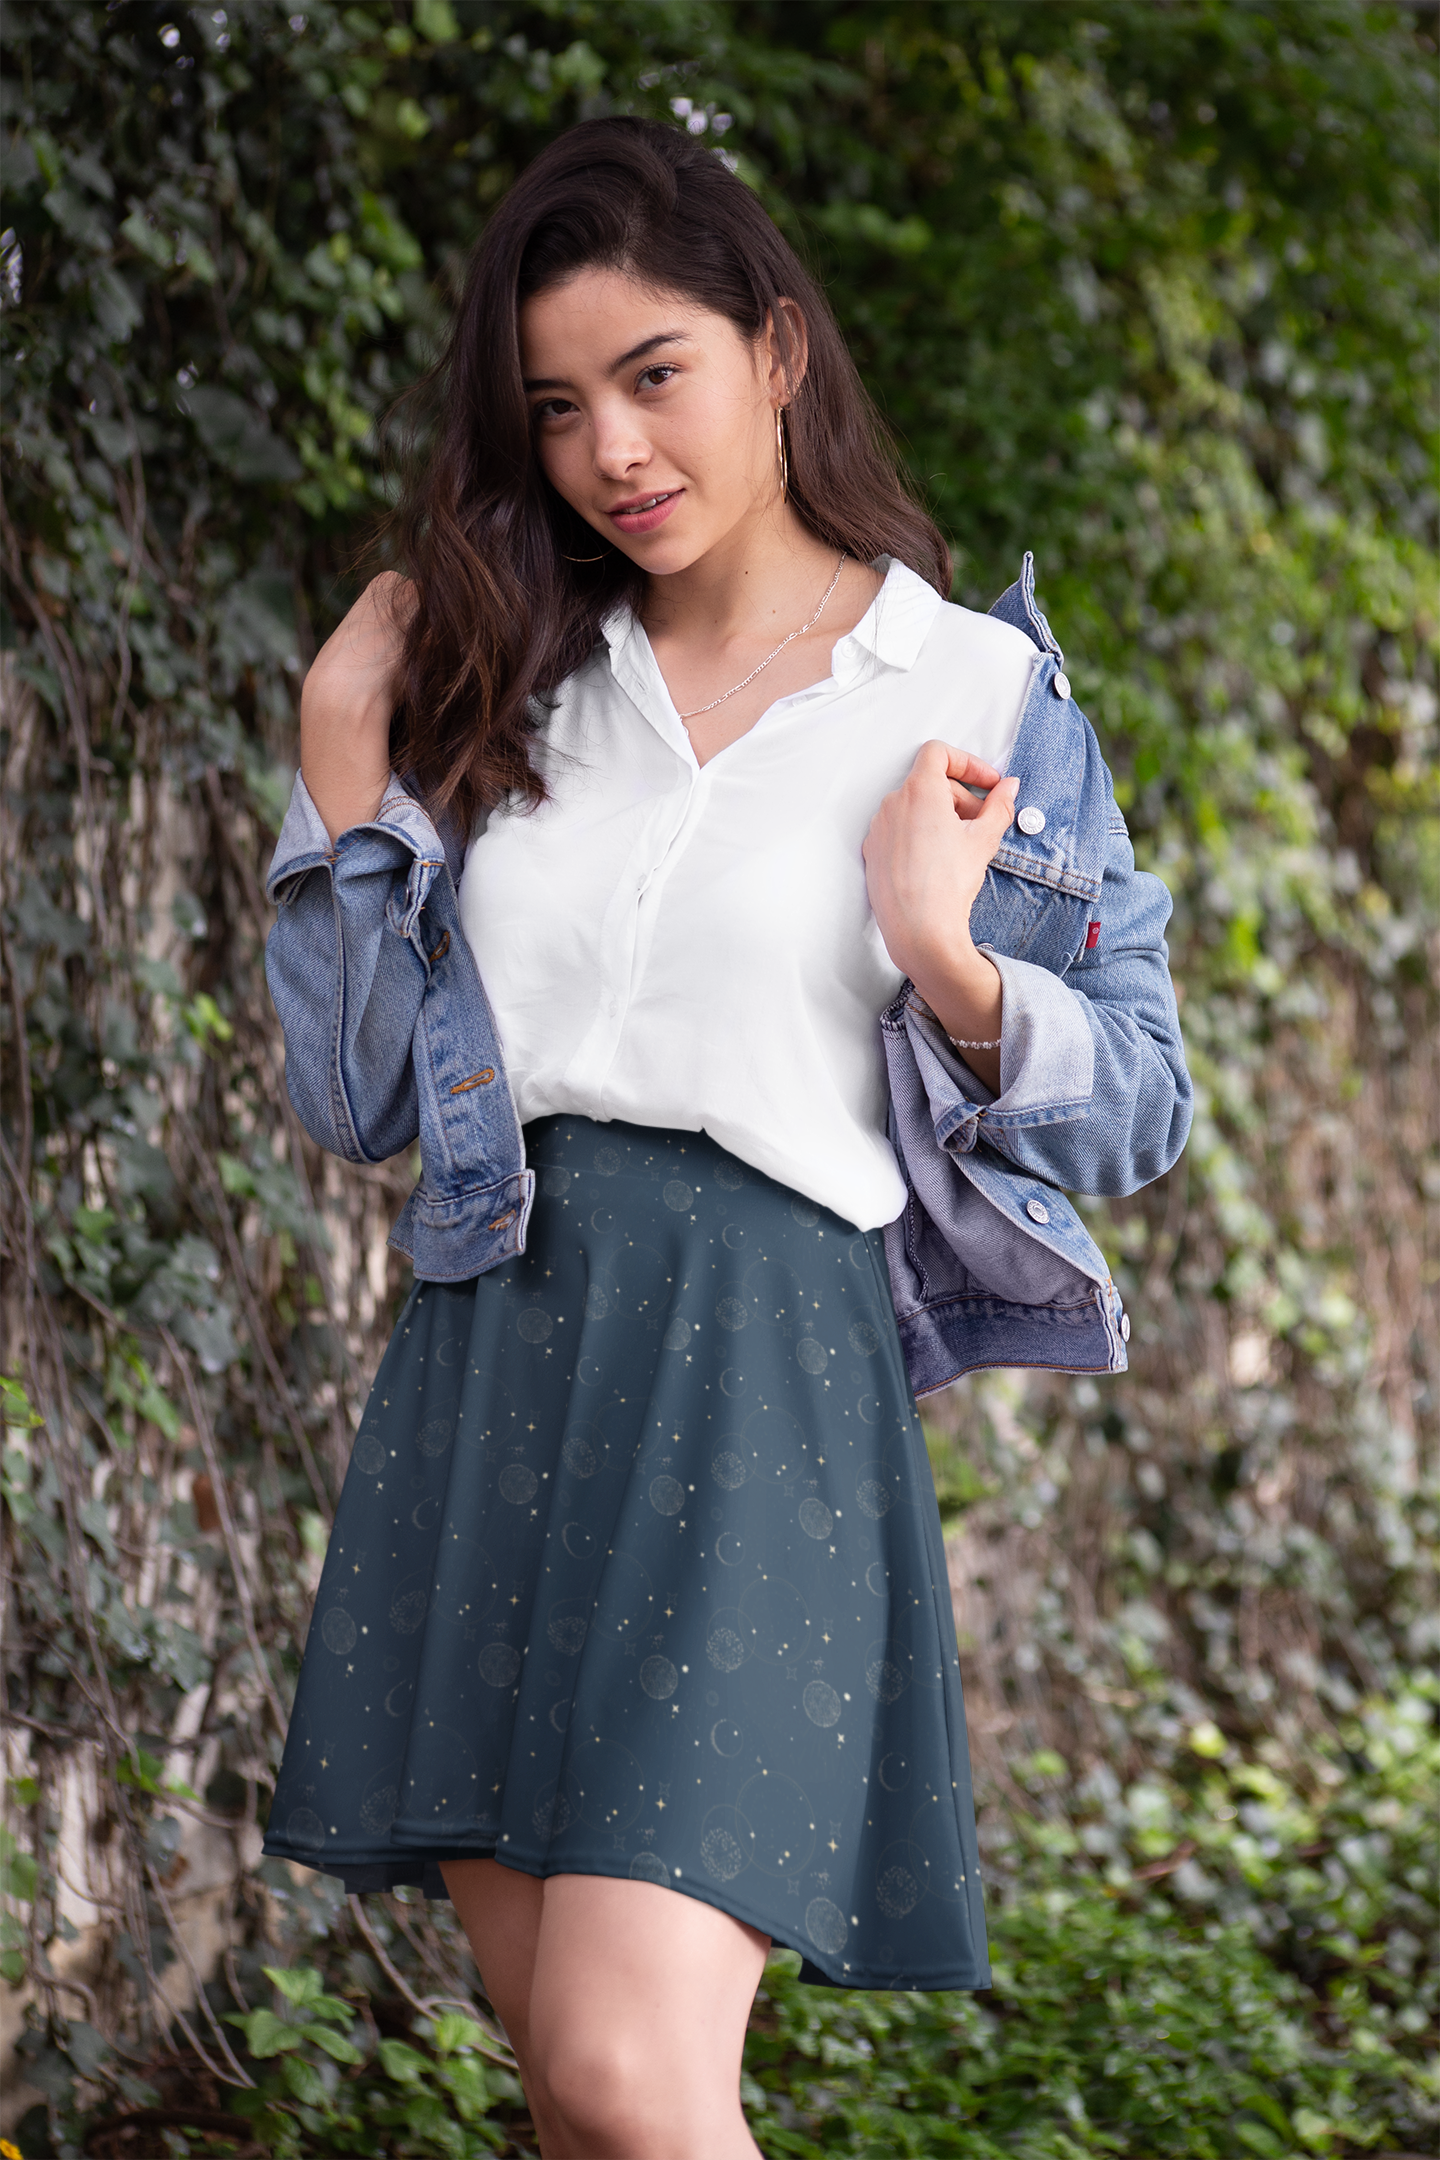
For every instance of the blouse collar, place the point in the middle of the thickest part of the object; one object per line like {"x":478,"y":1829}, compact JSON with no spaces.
{"x":892,"y":630}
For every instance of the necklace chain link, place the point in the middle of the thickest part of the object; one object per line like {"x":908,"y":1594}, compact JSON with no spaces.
{"x":701,"y":709}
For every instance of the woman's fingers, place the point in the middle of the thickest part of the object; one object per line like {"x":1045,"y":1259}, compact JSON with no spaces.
{"x":969,"y":770}
{"x":941,"y":757}
{"x":993,"y":818}
{"x":961,"y":769}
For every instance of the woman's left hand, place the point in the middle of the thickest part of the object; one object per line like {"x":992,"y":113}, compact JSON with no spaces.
{"x":926,"y":854}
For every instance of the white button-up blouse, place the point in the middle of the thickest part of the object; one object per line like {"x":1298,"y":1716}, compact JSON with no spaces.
{"x":692,"y":946}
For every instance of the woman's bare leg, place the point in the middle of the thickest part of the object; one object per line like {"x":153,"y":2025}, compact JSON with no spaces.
{"x":500,"y":1910}
{"x":626,"y":2005}
{"x":638,"y":2007}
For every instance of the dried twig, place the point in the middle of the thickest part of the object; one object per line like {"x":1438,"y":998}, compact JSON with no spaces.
{"x":499,"y":2048}
{"x":177,"y":1936}
{"x":203,"y":1428}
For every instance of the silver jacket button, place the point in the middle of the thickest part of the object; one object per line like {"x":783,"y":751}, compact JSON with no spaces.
{"x":1060,"y":683}
{"x":1124,"y":1327}
{"x":1037,"y":1211}
{"x":1031,"y":819}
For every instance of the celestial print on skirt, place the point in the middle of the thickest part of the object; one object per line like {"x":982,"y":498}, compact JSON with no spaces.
{"x":638,"y":1572}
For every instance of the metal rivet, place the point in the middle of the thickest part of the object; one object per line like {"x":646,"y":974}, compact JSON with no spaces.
{"x":1061,"y":683}
{"x":1037,"y":1211}
{"x":1031,"y":819}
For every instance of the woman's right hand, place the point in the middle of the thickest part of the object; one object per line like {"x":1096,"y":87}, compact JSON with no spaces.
{"x":347,"y":701}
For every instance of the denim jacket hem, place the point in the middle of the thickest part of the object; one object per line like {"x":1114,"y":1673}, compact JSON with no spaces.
{"x":963,"y":1334}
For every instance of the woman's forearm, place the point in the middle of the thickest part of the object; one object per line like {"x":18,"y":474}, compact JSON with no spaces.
{"x":346,"y":704}
{"x":345,"y":757}
{"x":964,"y":991}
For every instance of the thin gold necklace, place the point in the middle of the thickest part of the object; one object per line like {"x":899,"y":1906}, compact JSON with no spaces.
{"x":700,"y":709}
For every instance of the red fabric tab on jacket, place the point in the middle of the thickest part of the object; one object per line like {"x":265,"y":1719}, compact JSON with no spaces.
{"x":1092,"y":937}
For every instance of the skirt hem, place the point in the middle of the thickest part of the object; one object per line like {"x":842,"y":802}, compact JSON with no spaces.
{"x":422,"y":1870}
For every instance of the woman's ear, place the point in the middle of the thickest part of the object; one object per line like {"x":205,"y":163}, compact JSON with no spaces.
{"x":784,"y":351}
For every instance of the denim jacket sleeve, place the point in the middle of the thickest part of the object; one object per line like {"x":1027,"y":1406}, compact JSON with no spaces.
{"x":347,"y":969}
{"x":389,"y":1036}
{"x":1094,"y":1092}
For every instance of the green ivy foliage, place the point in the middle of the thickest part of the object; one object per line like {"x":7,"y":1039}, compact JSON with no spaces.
{"x":1148,"y":290}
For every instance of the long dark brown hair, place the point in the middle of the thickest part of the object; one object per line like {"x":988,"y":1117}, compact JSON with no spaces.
{"x":501,"y":617}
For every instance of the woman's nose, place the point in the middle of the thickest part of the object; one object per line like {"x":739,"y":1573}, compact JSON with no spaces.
{"x":619,"y":446}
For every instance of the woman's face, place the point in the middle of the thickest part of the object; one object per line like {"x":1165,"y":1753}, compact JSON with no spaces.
{"x":654,"y":418}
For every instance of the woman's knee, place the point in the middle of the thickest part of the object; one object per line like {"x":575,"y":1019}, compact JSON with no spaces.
{"x":604,"y":2087}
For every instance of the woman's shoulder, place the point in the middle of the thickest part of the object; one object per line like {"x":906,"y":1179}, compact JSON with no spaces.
{"x":960,"y":630}
{"x":979,"y":667}
{"x":948,"y":631}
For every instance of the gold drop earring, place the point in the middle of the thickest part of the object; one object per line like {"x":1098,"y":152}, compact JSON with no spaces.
{"x":782,"y":452}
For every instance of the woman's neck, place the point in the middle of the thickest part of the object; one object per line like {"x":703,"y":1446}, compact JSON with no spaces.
{"x":715,"y":627}
{"x":758,"y":583}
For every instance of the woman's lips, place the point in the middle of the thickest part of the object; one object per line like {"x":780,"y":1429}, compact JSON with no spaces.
{"x":655,"y":511}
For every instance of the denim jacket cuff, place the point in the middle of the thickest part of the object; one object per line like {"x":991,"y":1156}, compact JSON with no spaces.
{"x":1047,"y":1059}
{"x":1047,"y":1051}
{"x":304,"y":844}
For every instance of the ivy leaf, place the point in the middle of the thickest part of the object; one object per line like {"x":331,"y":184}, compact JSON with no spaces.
{"x":402,"y":2063}
{"x":454,"y":2030}
{"x":299,"y":1984}
{"x":266,"y":2034}
{"x":147,"y":239}
{"x":143,"y":1775}
{"x":334,"y":2044}
{"x":303,"y":2080}
{"x":18,"y":1870}
{"x":435,"y":21}
{"x":239,"y":438}
{"x":16,"y":1408}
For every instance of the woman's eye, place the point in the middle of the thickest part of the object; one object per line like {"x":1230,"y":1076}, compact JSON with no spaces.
{"x":553,"y":408}
{"x":660,"y":373}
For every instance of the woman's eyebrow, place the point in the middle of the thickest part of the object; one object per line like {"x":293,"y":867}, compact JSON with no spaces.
{"x":636,"y":352}
{"x":647,"y":345}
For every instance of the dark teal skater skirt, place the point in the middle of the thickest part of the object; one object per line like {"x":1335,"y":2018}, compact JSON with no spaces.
{"x":638,"y":1572}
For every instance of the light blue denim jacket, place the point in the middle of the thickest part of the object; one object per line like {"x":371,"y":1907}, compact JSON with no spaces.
{"x":389,"y":1037}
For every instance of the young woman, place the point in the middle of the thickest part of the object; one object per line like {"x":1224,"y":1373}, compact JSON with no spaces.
{"x":754,"y":946}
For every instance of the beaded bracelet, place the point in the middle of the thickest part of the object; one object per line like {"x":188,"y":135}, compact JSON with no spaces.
{"x":956,"y":1043}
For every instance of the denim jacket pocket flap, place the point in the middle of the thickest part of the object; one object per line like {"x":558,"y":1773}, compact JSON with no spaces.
{"x":1045,"y":866}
